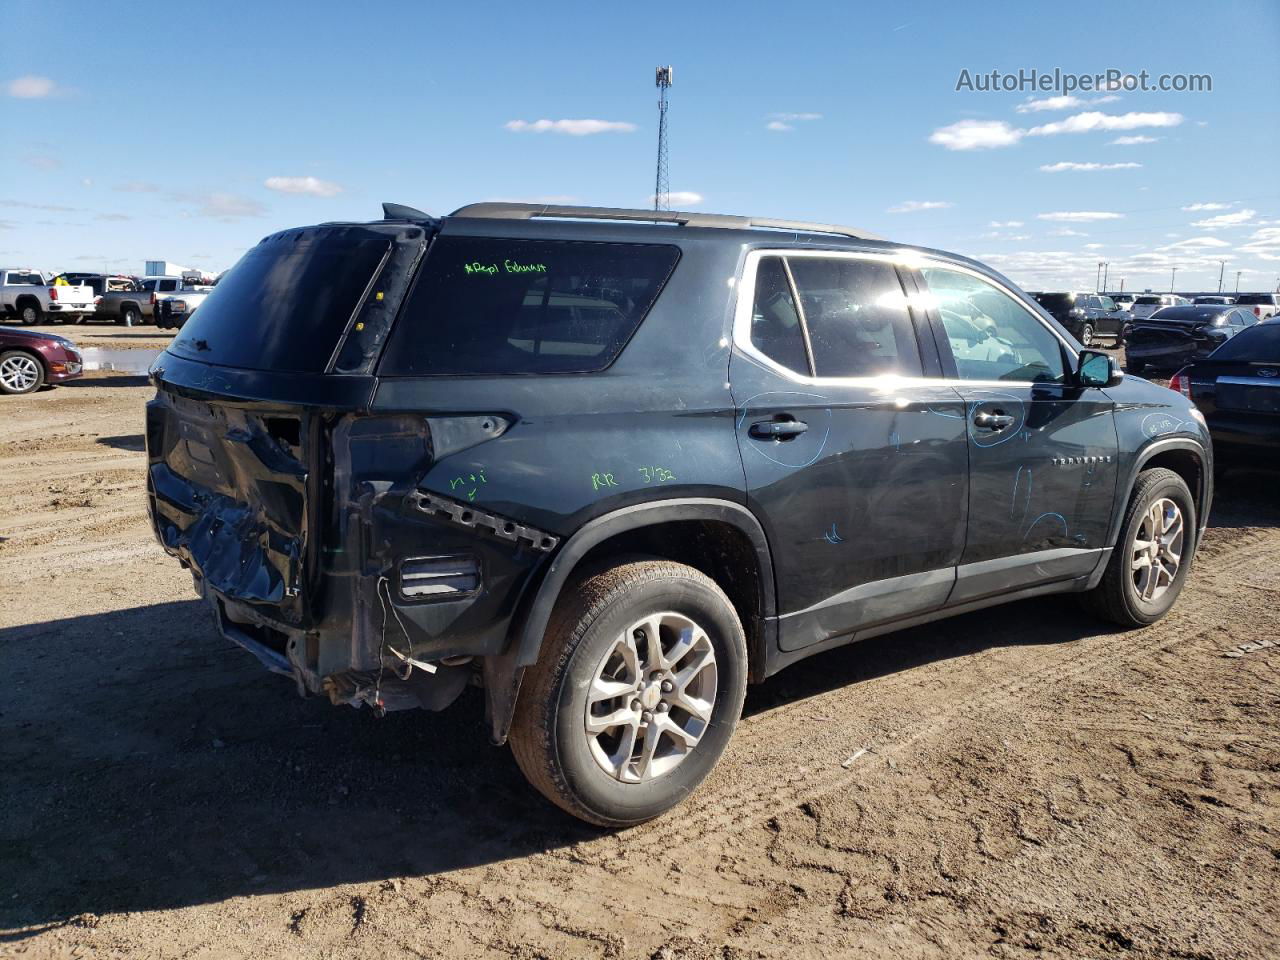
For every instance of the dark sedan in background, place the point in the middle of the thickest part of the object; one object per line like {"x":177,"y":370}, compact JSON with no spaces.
{"x":1089,"y":317}
{"x":1174,"y":336}
{"x":1237,"y":389}
{"x":28,"y":360}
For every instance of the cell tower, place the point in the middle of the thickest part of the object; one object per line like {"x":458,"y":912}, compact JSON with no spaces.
{"x":662,"y":185}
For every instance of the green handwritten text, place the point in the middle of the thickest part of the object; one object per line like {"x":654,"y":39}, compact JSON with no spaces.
{"x":601,"y":480}
{"x":656,"y":474}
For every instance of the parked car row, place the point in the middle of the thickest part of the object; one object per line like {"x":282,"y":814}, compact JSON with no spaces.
{"x":32,"y":297}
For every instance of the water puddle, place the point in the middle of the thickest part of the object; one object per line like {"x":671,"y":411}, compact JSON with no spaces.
{"x":136,"y":360}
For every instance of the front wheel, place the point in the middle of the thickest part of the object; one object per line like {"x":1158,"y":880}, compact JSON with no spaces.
{"x":1153,"y":555}
{"x":637,"y":691}
{"x":20,"y":372}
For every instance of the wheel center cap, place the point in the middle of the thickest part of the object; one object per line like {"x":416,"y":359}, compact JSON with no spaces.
{"x":651,"y":695}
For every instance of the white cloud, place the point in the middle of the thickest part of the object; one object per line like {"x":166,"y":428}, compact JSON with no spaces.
{"x":683,"y":198}
{"x":137,"y":186}
{"x":1196,"y":243}
{"x":1049,"y":103}
{"x":32,"y":87}
{"x":976,"y":135}
{"x":787,"y":121}
{"x":1238,"y":219}
{"x":221,"y":206}
{"x":1131,"y":141}
{"x":989,"y":134}
{"x":915,"y":206}
{"x":311,"y":185}
{"x":1006,"y":223}
{"x":1096,"y":120}
{"x":1079,"y":216}
{"x":1067,"y":232}
{"x":1071,"y":165}
{"x":574,"y":128}
{"x":1061,"y":103}
{"x":1093,"y":246}
{"x":1192,"y":208}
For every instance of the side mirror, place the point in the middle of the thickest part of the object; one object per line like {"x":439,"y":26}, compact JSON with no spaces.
{"x":1096,"y":369}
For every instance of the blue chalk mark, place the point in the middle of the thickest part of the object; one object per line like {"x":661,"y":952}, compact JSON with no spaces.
{"x":896,"y":441}
{"x":1061,"y":519}
{"x":831,"y":536}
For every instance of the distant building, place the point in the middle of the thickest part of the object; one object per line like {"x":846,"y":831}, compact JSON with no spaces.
{"x":163,"y":268}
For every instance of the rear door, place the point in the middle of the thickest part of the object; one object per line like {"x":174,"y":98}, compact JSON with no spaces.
{"x":854,"y":450}
{"x":1042,"y":452}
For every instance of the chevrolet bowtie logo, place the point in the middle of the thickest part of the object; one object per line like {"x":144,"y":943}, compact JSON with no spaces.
{"x":1079,"y":461}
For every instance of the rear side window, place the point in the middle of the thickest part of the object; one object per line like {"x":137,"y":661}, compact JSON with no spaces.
{"x":24,"y":278}
{"x":285,"y":305}
{"x":856,"y":314}
{"x":488,"y":306}
{"x":1260,"y":343}
{"x":775,"y":322}
{"x":1147,"y":300}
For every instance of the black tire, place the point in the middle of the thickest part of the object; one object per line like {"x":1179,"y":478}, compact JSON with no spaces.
{"x":1138,"y":369}
{"x":30,"y":362}
{"x":130,"y":315}
{"x":31,"y":313}
{"x":1086,"y":335}
{"x":548,"y":737}
{"x":1116,"y":597}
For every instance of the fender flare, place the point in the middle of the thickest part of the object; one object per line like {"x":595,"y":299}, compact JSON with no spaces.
{"x":528,"y":638}
{"x":1145,"y":455}
{"x":503,"y":674}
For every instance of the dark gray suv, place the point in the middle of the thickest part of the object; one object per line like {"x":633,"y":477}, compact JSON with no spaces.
{"x":613,"y":465}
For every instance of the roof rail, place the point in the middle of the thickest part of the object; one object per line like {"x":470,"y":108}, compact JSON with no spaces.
{"x":530,"y":211}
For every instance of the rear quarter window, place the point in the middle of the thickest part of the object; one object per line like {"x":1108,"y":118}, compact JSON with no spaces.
{"x":487,"y":306}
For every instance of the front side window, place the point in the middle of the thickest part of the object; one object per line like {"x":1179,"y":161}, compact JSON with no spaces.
{"x":485,"y":306}
{"x":992,"y":336}
{"x":856,"y":314}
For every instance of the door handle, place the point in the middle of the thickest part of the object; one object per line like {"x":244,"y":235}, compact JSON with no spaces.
{"x":993,"y":421}
{"x":777,"y":429}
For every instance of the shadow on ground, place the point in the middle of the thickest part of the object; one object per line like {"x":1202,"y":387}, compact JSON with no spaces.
{"x":111,"y":380}
{"x":131,"y":441}
{"x":149,"y":764}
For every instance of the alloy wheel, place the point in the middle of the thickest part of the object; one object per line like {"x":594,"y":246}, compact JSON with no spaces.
{"x":19,"y":373}
{"x":651,"y":698}
{"x":1157,"y":549}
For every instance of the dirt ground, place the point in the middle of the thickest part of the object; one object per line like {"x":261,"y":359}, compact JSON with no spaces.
{"x":1019,"y":782}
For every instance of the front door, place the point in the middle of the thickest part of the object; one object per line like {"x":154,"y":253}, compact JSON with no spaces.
{"x":1042,"y":451}
{"x":854,"y":451}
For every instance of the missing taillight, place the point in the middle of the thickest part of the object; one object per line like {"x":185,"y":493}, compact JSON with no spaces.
{"x":284,"y":430}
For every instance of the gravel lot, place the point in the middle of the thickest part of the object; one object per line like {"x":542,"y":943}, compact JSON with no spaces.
{"x":1018,"y":782}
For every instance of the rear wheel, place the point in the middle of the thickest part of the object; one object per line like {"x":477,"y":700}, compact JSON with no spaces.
{"x":638,"y":689}
{"x":1153,"y":555}
{"x":130,"y":316}
{"x":31,"y":313}
{"x":20,"y":372}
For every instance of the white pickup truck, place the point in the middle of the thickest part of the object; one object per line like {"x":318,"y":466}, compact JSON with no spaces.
{"x":32,"y":297}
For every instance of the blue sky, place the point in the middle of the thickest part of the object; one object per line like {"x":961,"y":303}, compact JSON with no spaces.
{"x":188,"y":132}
